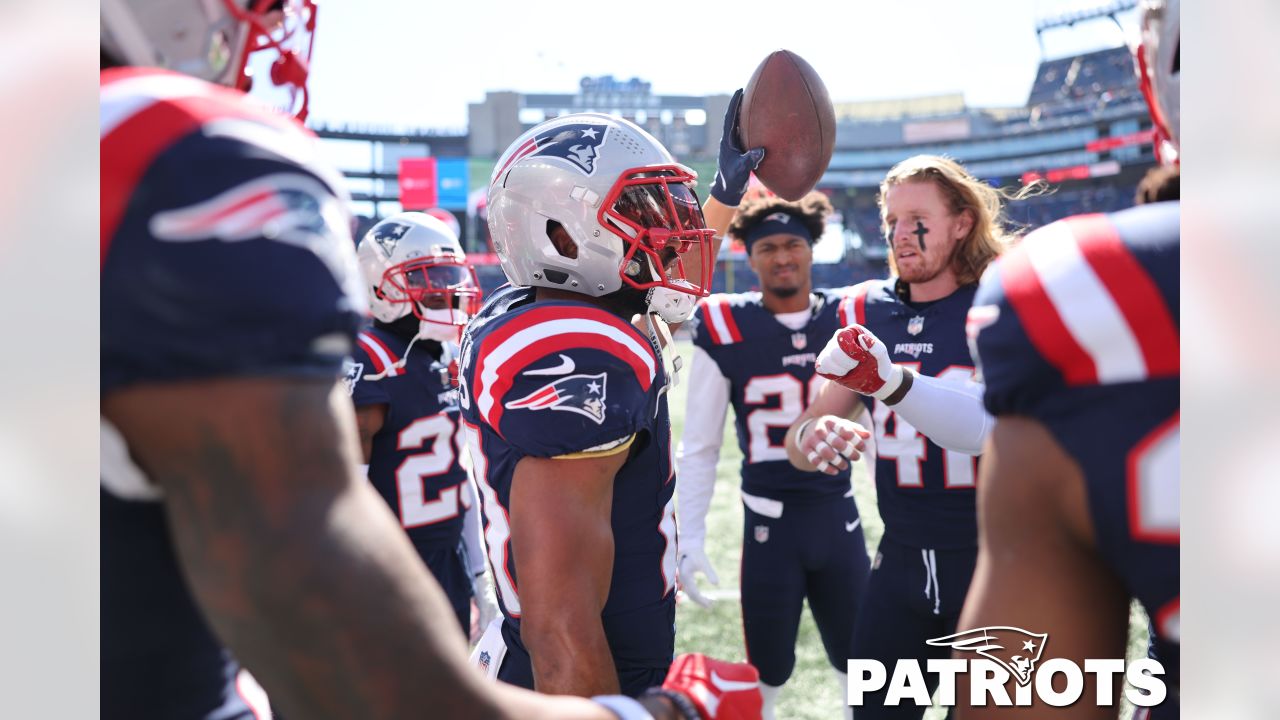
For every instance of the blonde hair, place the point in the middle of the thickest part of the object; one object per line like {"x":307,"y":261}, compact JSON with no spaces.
{"x":991,"y":233}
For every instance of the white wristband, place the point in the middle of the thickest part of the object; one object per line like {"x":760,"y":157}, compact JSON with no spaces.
{"x":800,"y":432}
{"x":624,"y":707}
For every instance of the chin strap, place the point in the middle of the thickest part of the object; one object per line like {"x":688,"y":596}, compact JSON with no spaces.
{"x":660,"y":333}
{"x":446,"y":356}
{"x":395,"y":367}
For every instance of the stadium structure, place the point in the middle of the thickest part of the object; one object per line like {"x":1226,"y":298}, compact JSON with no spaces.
{"x":1084,"y":129}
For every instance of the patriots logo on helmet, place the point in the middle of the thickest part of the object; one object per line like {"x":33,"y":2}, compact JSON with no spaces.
{"x":582,"y":394}
{"x":1014,"y":649}
{"x":576,"y":143}
{"x":386,"y":235}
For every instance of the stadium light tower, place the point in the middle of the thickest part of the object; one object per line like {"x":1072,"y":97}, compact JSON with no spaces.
{"x":1082,"y":14}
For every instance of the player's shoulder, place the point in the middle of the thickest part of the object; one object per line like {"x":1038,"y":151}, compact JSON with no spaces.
{"x":155,"y":100}
{"x":151,"y":118}
{"x":853,"y":301}
{"x":379,"y":351}
{"x":1089,"y":300}
{"x":518,"y":344}
{"x":727,"y":318}
{"x":552,"y":375}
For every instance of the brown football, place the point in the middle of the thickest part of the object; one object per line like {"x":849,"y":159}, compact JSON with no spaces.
{"x":786,"y":110}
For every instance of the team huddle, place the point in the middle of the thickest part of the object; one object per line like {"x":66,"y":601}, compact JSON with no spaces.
{"x":331,"y":467}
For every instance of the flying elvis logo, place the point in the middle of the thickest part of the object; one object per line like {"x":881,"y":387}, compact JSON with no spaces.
{"x":582,"y":394}
{"x":1003,"y":653}
{"x":575,"y":143}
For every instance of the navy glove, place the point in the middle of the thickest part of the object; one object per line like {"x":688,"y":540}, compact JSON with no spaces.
{"x":734,"y":166}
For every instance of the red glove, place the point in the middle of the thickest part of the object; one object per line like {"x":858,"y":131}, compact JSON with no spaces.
{"x":858,"y":360}
{"x":717,"y":689}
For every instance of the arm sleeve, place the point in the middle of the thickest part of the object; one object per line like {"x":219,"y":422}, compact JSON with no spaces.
{"x":706,"y":407}
{"x":948,"y":413}
{"x":472,"y":540}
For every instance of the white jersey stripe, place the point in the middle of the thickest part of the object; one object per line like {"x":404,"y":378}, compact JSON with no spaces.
{"x":715,"y":313}
{"x":491,"y":363}
{"x":1085,"y":306}
{"x":123,"y":99}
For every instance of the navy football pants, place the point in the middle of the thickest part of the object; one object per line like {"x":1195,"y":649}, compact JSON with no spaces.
{"x":914,"y":595}
{"x":816,"y":551}
{"x":447,"y":567}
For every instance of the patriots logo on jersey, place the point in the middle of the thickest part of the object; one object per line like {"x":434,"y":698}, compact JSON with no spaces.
{"x":1014,"y":649}
{"x":387,"y":235}
{"x":264,"y":207}
{"x":351,"y":372}
{"x":582,"y":394}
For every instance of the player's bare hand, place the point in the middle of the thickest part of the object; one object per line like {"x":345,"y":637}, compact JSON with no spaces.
{"x":831,"y":443}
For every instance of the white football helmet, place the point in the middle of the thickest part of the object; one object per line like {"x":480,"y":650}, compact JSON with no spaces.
{"x":213,"y":39}
{"x":1160,"y":70}
{"x":629,"y":208}
{"x":413,"y":263}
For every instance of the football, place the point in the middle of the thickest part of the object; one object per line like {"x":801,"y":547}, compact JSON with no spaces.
{"x":787,"y":111}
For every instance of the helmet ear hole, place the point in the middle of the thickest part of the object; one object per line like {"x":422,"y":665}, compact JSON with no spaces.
{"x":561,"y":241}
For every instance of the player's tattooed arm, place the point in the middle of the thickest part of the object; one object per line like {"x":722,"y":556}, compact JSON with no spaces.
{"x":1038,"y":566}
{"x":369,"y":420}
{"x":562,"y":540}
{"x":298,"y":564}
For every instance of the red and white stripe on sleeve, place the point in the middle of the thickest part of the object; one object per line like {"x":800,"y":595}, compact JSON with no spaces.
{"x":720,"y":323}
{"x":1089,"y":306}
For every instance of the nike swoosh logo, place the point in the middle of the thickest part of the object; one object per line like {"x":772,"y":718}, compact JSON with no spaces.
{"x":850,"y":527}
{"x":731,"y":685}
{"x":565,"y":367}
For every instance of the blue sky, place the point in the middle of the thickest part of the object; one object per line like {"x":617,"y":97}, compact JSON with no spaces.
{"x":410,"y":63}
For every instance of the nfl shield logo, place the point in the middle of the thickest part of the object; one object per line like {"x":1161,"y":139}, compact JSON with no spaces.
{"x":762,"y":533}
{"x":915,"y":325}
{"x":799,"y":340}
{"x":484,"y":660}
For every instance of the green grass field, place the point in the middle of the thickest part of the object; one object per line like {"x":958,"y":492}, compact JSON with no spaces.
{"x":811,"y":693}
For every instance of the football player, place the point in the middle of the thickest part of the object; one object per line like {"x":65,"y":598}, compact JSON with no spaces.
{"x":564,"y":400}
{"x":802,"y":536}
{"x":1077,"y":333}
{"x":232,"y":507}
{"x":903,"y":351}
{"x":401,"y":379}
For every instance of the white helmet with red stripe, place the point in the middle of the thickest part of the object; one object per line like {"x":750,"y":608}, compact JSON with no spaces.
{"x":413,"y":263}
{"x":213,"y":39}
{"x":1160,"y":69}
{"x":591,"y":203}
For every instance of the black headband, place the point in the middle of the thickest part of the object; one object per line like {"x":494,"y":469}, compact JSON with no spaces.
{"x":777,"y":223}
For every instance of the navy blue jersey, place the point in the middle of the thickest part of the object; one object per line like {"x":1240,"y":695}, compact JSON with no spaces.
{"x":770,"y":369}
{"x":557,"y":378}
{"x":926,"y":494}
{"x":416,"y":459}
{"x":1078,"y":328}
{"x":226,"y":251}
